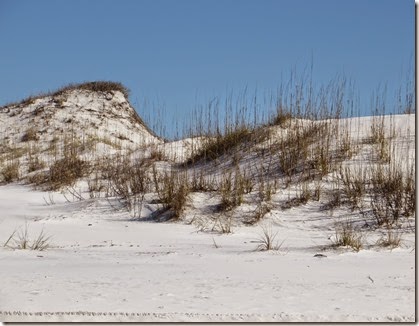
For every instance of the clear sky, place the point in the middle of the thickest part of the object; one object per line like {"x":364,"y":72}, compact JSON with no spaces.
{"x":179,"y":53}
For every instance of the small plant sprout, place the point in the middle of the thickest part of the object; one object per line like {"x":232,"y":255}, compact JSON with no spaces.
{"x":267,"y":239}
{"x":19,"y":239}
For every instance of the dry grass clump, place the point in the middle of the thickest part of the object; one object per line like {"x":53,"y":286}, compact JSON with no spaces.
{"x":379,"y":140}
{"x":334,"y":201}
{"x":266,"y":188}
{"x":354,"y":185}
{"x":25,"y":102}
{"x":380,"y":136}
{"x":304,"y":194}
{"x":172,"y":190}
{"x":157,"y":155}
{"x":96,"y":185}
{"x":390,"y":239}
{"x":10,"y":171}
{"x":267,"y":239}
{"x":19,"y":239}
{"x":233,"y":188}
{"x":214,"y":147}
{"x":259,"y":213}
{"x":347,"y":236}
{"x":127,"y":180}
{"x":281,"y":118}
{"x":35,"y":163}
{"x":198,"y":182}
{"x":13,"y":153}
{"x":66,"y":171}
{"x":38,"y":179}
{"x":346,"y":147}
{"x":95,"y":86}
{"x":30,"y":135}
{"x":377,"y":131}
{"x":294,"y":149}
{"x":393,"y":193}
{"x":220,"y":223}
{"x":322,"y":158}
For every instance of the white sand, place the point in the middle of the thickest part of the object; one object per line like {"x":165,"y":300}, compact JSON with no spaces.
{"x":145,"y":271}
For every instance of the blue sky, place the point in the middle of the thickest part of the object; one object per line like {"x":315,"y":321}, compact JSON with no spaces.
{"x":180,"y":53}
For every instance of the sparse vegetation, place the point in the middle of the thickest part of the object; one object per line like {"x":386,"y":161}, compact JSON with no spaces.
{"x":391,"y":238}
{"x":354,"y":185}
{"x":199,"y":182}
{"x":157,"y":155}
{"x":301,"y":149}
{"x":281,"y":118}
{"x":267,"y":239}
{"x":35,"y":163}
{"x":172,"y":190}
{"x":30,"y":135}
{"x":222,"y":223}
{"x":266,"y":188}
{"x":233,"y":188}
{"x":393,"y":194}
{"x":346,"y":146}
{"x":66,"y":172}
{"x":347,"y":236}
{"x":221,"y":144}
{"x":129,"y":181}
{"x":38,"y":179}
{"x":294,"y":150}
{"x":19,"y":239}
{"x":259,"y":213}
{"x":10,"y":171}
{"x":95,"y":86}
{"x":68,"y":169}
